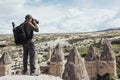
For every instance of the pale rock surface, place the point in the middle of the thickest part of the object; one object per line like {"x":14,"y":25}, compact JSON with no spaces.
{"x":27,"y":77}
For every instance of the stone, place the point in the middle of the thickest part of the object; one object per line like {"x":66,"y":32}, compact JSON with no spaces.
{"x":107,"y":67}
{"x":103,"y":65}
{"x":57,"y":54}
{"x":91,"y":54}
{"x":107,"y":53}
{"x":56,"y":62}
{"x":92,"y":69}
{"x":90,"y":63}
{"x":107,"y":63}
{"x":5,"y":59}
{"x":75,"y":67}
{"x":5,"y":64}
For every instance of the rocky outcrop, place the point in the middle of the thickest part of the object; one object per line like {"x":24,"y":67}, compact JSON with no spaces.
{"x":91,"y":54}
{"x":75,"y":68}
{"x":5,"y":59}
{"x":91,"y":63}
{"x":107,"y":53}
{"x":56,"y":62}
{"x":5,"y":64}
{"x":57,"y":55}
{"x":107,"y":62}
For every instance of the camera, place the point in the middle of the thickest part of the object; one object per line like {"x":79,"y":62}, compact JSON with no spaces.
{"x":36,"y":21}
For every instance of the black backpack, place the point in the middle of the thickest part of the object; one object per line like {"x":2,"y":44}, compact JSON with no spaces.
{"x":20,"y":34}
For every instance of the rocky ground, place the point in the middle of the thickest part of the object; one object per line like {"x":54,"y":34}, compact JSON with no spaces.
{"x":43,"y":41}
{"x":27,"y":77}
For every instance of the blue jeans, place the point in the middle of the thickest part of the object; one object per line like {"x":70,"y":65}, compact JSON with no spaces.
{"x":29,"y":50}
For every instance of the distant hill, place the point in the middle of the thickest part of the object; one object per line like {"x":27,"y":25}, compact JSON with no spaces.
{"x":110,"y":29}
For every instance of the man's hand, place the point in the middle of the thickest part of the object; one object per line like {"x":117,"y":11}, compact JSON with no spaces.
{"x":34,"y":22}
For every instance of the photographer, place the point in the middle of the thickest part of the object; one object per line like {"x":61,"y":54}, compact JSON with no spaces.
{"x":30,"y":25}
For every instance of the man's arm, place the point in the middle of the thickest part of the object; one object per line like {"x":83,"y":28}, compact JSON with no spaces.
{"x":33,"y":27}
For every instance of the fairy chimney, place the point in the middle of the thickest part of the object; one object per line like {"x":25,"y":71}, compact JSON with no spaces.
{"x":107,"y":63}
{"x":108,"y":53}
{"x":75,"y":68}
{"x":5,"y":64}
{"x":91,"y":54}
{"x":91,"y":63}
{"x":56,"y":62}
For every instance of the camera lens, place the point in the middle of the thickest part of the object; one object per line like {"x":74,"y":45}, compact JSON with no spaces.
{"x":36,"y":21}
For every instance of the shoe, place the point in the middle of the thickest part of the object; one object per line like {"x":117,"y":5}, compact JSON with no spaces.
{"x":34,"y":74}
{"x":25,"y":73}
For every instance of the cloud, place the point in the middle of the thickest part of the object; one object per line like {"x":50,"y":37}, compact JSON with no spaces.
{"x":114,"y":23}
{"x":76,"y":20}
{"x":8,"y":7}
{"x":55,"y":18}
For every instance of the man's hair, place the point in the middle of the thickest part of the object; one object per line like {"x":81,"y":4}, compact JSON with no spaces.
{"x":28,"y":16}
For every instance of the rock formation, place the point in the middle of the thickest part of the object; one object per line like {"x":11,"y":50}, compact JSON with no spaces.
{"x":5,"y":67}
{"x":91,"y":64}
{"x":107,"y":53}
{"x":107,"y":62}
{"x":91,"y":54}
{"x":56,"y":62}
{"x":75,"y":68}
{"x":103,"y":65}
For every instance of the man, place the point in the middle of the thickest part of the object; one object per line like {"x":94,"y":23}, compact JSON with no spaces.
{"x":30,"y":25}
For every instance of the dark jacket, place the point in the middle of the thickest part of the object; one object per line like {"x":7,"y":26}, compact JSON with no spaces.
{"x":29,"y":28}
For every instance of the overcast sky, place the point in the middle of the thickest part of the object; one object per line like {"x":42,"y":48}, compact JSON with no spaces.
{"x":56,"y":16}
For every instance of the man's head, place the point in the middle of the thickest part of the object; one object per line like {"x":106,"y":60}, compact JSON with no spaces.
{"x":28,"y":17}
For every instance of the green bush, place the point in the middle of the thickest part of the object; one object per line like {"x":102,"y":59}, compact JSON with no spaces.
{"x":82,"y":51}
